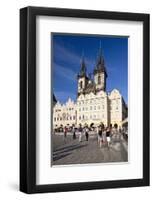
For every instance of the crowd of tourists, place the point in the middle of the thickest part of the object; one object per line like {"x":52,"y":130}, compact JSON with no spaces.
{"x":104,"y":134}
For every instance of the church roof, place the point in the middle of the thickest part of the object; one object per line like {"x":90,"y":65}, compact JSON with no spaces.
{"x":83,"y":68}
{"x":100,"y":64}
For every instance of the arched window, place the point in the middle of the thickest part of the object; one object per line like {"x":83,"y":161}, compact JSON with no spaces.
{"x":99,"y":79}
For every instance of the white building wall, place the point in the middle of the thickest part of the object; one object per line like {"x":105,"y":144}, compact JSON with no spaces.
{"x":64,"y":114}
{"x":91,"y":108}
{"x":115,"y":100}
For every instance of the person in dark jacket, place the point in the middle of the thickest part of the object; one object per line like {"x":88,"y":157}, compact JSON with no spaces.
{"x":80,"y":130}
{"x":87,"y":132}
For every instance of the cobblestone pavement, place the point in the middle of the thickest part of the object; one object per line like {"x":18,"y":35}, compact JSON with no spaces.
{"x":71,"y":151}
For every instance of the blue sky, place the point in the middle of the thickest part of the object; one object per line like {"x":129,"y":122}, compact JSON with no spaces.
{"x":67,"y":51}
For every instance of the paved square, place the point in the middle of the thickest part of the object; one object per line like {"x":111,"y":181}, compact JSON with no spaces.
{"x":69,"y":151}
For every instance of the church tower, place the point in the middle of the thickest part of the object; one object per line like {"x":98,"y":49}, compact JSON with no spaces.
{"x":82,"y":77}
{"x":100,"y":73}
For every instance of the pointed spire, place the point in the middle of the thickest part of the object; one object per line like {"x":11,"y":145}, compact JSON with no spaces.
{"x":100,"y":65}
{"x":100,"y":59}
{"x":83,"y":66}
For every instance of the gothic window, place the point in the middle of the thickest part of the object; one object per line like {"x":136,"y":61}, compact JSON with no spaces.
{"x":99,"y":80}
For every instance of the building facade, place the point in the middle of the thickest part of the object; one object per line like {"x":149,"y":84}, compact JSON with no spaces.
{"x":93,"y":103}
{"x":64,"y":114}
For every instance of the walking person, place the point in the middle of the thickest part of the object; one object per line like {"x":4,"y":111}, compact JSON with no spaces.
{"x":100,"y":139}
{"x":87,"y":132}
{"x":74,"y":132}
{"x":99,"y":134}
{"x":80,"y":130}
{"x":116,"y":132}
{"x":65,"y":132}
{"x":104,"y":139}
{"x":108,"y":134}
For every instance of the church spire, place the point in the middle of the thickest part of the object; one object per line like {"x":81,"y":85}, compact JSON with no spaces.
{"x":83,"y":68}
{"x":100,"y":59}
{"x":100,"y":64}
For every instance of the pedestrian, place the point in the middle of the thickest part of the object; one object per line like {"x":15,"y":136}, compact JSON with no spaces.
{"x":108,"y":133}
{"x":74,"y":132}
{"x":65,"y":132}
{"x":98,"y":134}
{"x":104,"y":139}
{"x":80,"y":130}
{"x":116,"y":132}
{"x":115,"y":128}
{"x":100,"y":139}
{"x":87,"y":132}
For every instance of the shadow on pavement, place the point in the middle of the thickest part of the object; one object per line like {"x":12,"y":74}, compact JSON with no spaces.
{"x":59,"y":156}
{"x":65,"y":151}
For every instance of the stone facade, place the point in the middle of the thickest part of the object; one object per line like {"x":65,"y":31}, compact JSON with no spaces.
{"x":64,"y":114}
{"x":92,"y":108}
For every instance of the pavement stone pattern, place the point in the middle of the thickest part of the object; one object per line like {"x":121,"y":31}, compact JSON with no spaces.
{"x":68,"y":151}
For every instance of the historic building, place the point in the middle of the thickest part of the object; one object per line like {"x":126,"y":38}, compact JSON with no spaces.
{"x":93,"y":104}
{"x":64,"y":114}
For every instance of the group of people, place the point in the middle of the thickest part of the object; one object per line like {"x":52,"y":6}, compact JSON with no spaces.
{"x":104,"y":134}
{"x":80,"y":130}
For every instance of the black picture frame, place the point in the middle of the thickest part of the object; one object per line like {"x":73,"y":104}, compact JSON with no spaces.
{"x":28,"y":99}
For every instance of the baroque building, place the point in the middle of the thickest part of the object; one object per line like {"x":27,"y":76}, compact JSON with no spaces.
{"x":93,"y":104}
